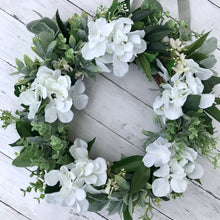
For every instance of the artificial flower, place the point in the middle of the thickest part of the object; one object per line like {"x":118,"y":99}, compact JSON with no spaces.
{"x":114,"y":43}
{"x":29,"y":98}
{"x":59,"y":110}
{"x":157,"y":153}
{"x":80,"y":100}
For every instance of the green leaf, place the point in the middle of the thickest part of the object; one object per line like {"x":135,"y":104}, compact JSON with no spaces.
{"x":62,"y":26}
{"x":19,"y":63}
{"x":27,"y":60}
{"x":113,"y":6}
{"x":145,"y":64}
{"x":210,"y":83}
{"x":156,"y":47}
{"x":19,"y":142}
{"x":90,"y":144}
{"x":141,"y":14}
{"x":140,"y":178}
{"x":72,"y":41}
{"x":97,"y":201}
{"x":24,"y":159}
{"x":217,"y":100}
{"x":197,"y":44}
{"x":122,"y":183}
{"x":209,"y":62}
{"x":52,"y":189}
{"x":151,"y":56}
{"x":114,"y":207}
{"x":24,"y":128}
{"x":197,"y":57}
{"x":214,"y":112}
{"x":208,"y":46}
{"x":157,"y":33}
{"x":130,"y":164}
{"x":47,"y":21}
{"x":192,"y":103}
{"x":51,"y":48}
{"x":126,"y":214}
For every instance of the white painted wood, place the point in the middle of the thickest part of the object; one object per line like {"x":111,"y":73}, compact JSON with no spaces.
{"x":105,"y":129}
{"x":7,"y":213}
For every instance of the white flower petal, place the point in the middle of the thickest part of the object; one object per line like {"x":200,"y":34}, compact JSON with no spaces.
{"x":120,"y":68}
{"x":161,"y":187}
{"x":65,"y":117}
{"x":197,"y":172}
{"x":188,"y":168}
{"x":82,"y":205}
{"x":80,"y":101}
{"x":163,"y":171}
{"x":148,"y":160}
{"x":206,"y":100}
{"x":78,"y":88}
{"x":80,"y":194}
{"x":52,"y":177}
{"x":50,"y":113}
{"x":178,"y":185}
{"x":173,"y":112}
{"x":102,"y":178}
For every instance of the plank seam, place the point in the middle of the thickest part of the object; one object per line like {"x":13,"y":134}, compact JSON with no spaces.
{"x":14,"y":209}
{"x":207,"y":191}
{"x":78,"y":7}
{"x":8,"y":63}
{"x":13,"y":16}
{"x":214,"y":4}
{"x":112,"y":131}
{"x":126,"y":91}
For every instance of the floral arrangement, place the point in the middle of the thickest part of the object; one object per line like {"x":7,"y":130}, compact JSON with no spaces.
{"x":180,"y":61}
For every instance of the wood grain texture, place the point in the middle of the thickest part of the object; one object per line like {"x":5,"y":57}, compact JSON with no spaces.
{"x":118,"y":109}
{"x":8,"y":213}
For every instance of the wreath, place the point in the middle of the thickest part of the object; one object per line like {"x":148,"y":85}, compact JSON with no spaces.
{"x":180,"y":61}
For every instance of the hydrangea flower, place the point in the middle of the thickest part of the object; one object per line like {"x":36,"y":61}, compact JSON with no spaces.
{"x":72,"y":192}
{"x":51,"y":84}
{"x":158,"y":153}
{"x":77,"y":178}
{"x":172,"y":173}
{"x":113,"y":43}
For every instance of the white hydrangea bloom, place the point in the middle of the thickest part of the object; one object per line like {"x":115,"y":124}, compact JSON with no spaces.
{"x":51,"y":84}
{"x":59,"y":109}
{"x":158,"y":153}
{"x":113,"y":43}
{"x":77,"y":178}
{"x":72,"y":192}
{"x":172,"y":175}
{"x":170,"y":103}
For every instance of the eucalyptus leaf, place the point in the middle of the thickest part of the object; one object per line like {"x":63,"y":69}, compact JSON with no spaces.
{"x":209,"y":62}
{"x":197,"y":44}
{"x":47,"y":21}
{"x":208,"y":46}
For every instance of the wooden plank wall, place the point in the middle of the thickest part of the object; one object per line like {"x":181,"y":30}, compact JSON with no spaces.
{"x":118,"y":110}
